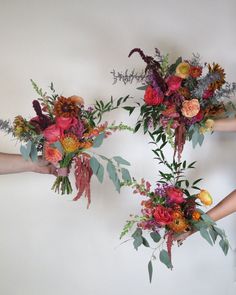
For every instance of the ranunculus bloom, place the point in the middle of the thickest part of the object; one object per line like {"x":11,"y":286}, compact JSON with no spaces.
{"x":152,"y":97}
{"x":173,"y":83}
{"x":175,"y":195}
{"x":51,"y":154}
{"x":77,"y":99}
{"x":205,"y":197}
{"x":190,"y":108}
{"x":170,"y":112}
{"x":162,"y":215}
{"x":52,"y":133}
{"x":208,"y":93}
{"x":183,"y":70}
{"x":65,"y":123}
{"x":195,"y":71}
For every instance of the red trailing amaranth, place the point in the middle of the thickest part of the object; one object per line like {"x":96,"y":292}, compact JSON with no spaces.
{"x":83,"y":174}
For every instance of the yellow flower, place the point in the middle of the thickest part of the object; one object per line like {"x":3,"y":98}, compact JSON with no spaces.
{"x":70,"y":143}
{"x":20,"y":126}
{"x":205,"y":197}
{"x":183,"y":70}
{"x":209,"y":124}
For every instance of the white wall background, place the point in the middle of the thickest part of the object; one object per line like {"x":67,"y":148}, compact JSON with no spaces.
{"x":50,"y":245}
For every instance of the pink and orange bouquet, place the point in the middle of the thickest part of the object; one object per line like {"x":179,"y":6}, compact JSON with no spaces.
{"x":179,"y":98}
{"x":170,"y":210}
{"x":63,"y":132}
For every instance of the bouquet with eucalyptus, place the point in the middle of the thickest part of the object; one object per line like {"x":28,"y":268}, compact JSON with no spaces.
{"x":64,"y":132}
{"x":171,"y":208}
{"x":179,"y":98}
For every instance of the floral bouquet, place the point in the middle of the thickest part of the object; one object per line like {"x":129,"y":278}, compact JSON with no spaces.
{"x":63,"y":132}
{"x":170,"y":210}
{"x":179,"y":98}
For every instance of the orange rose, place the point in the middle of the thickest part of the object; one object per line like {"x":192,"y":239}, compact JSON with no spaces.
{"x":190,"y":108}
{"x":77,"y":99}
{"x":196,"y":215}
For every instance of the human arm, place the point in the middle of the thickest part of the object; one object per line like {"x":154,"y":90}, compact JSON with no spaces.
{"x":224,"y":208}
{"x":12,"y":163}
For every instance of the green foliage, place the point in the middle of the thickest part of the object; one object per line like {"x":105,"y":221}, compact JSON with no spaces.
{"x":165,"y":259}
{"x":150,"y":270}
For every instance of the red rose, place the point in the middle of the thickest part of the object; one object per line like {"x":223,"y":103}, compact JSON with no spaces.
{"x":152,"y":97}
{"x":162,"y":215}
{"x":175,"y":195}
{"x":52,"y":133}
{"x":199,"y":116}
{"x":195,"y":71}
{"x":65,"y":123}
{"x":173,"y":83}
{"x":208,"y":94}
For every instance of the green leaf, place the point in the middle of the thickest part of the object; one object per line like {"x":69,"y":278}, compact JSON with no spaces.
{"x":125,"y":175}
{"x":142,"y":87}
{"x":121,"y":161}
{"x":196,"y":181}
{"x":204,"y":233}
{"x":34,"y":153}
{"x":150,"y":270}
{"x":213,"y":234}
{"x":164,"y":258}
{"x":100,"y":173}
{"x":145,"y":242}
{"x":113,"y":175}
{"x":138,"y":241}
{"x":98,"y":140}
{"x":155,"y":236}
{"x":129,"y":109}
{"x":25,"y":150}
{"x":224,"y":244}
{"x":138,"y":232}
{"x":207,"y":219}
{"x":94,"y":164}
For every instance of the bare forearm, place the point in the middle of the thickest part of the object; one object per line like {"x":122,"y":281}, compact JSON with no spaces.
{"x":224,"y":208}
{"x":225,"y":125}
{"x":10,"y":163}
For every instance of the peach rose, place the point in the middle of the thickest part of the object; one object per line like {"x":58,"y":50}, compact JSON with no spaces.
{"x":190,"y":108}
{"x":77,"y":99}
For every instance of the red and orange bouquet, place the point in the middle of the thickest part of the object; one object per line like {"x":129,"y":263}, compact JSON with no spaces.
{"x":169,"y":210}
{"x":63,"y":132}
{"x":179,"y":98}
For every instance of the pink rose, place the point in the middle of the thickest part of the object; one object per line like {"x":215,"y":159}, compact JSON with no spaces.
{"x":52,"y":133}
{"x":162,"y":215}
{"x":65,"y":123}
{"x":173,"y":83}
{"x":152,"y":97}
{"x":175,"y":195}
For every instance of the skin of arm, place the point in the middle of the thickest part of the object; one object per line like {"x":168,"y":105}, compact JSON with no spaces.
{"x":11,"y":163}
{"x":224,"y":208}
{"x":225,"y":125}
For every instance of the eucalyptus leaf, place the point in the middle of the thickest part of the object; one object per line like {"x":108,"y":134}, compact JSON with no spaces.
{"x":113,"y":175}
{"x":138,"y":241}
{"x":150,"y":270}
{"x":125,"y":175}
{"x":98,"y":140}
{"x":204,"y":233}
{"x":155,"y":236}
{"x":164,"y":258}
{"x":94,"y":164}
{"x":121,"y":161}
{"x":224,"y":244}
{"x":34,"y":153}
